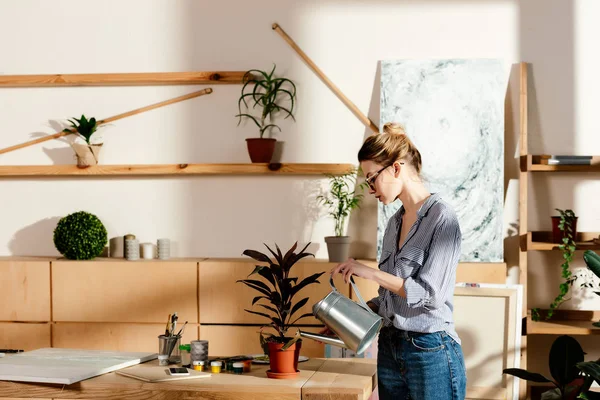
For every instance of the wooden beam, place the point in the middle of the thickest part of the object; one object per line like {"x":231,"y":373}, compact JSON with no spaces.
{"x":123,"y":79}
{"x":173,"y":169}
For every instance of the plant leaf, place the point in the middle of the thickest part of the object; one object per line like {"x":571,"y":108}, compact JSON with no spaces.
{"x":298,"y":305}
{"x":565,"y":353}
{"x":257,"y":255}
{"x":300,"y":317}
{"x":307,"y":281}
{"x":528,"y":376}
{"x":257,"y":288}
{"x":590,"y":368}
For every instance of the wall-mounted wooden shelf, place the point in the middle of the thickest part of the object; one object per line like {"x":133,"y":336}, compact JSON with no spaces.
{"x":543,"y":241}
{"x":124,"y":79}
{"x":565,"y":322}
{"x":173,"y":169}
{"x":533,"y":163}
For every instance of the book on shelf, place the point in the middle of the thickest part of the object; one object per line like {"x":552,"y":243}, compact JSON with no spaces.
{"x":568,"y":160}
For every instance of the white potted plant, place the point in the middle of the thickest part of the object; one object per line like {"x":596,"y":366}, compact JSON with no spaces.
{"x":86,"y":149}
{"x":342,"y":198}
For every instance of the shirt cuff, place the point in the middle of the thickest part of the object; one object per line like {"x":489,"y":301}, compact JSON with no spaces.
{"x":416,"y":295}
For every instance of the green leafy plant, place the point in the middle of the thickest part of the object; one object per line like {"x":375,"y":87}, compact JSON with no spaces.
{"x":571,"y":375}
{"x":342,"y":198}
{"x":278,"y":290}
{"x":80,"y":236}
{"x":84,"y":128}
{"x":268,"y":92}
{"x":568,"y":247}
{"x":592,"y":260}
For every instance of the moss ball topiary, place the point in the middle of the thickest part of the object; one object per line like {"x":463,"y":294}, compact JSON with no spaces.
{"x":80,"y":236}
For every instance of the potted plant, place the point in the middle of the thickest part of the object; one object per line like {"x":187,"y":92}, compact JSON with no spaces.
{"x":564,"y":225}
{"x":341,"y":199}
{"x":278,"y":293}
{"x":269,"y":93}
{"x":87,"y":152}
{"x":571,"y":376}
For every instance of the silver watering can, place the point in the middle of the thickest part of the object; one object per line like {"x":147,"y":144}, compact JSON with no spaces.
{"x":355,"y":324}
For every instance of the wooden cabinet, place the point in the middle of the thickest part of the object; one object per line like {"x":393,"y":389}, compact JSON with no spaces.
{"x":113,"y":336}
{"x":23,"y":336}
{"x":124,"y":291}
{"x":222,"y":300}
{"x":25,"y":294}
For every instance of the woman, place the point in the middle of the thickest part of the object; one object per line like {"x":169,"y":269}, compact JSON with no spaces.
{"x":420,"y":356}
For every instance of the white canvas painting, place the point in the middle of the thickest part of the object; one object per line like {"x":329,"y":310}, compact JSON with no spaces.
{"x":453,"y":110}
{"x":66,"y":366}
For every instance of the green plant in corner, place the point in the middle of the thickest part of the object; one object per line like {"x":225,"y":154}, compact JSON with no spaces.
{"x":568,"y":248}
{"x":267,"y":92}
{"x":80,"y":236}
{"x":84,"y":127}
{"x":278,"y":290}
{"x":342,"y":198}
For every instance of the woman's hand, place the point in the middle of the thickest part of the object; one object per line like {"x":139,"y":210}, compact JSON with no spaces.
{"x":353,"y":267}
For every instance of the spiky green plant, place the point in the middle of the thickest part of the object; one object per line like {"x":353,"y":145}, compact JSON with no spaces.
{"x":83,"y":127}
{"x":342,"y":198}
{"x":266,"y":91}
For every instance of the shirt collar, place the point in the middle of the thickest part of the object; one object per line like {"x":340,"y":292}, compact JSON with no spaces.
{"x":429,"y":202}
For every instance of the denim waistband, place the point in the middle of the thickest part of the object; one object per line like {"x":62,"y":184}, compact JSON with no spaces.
{"x":393,"y":331}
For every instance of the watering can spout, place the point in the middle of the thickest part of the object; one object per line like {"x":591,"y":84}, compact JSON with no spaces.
{"x":325,"y":339}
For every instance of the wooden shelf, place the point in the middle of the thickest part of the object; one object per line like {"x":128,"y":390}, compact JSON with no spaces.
{"x":124,"y":79}
{"x":543,"y":241}
{"x":533,"y":163}
{"x":173,"y":169}
{"x":565,"y":322}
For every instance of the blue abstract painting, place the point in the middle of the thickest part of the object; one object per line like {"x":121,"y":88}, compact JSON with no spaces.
{"x":453,"y":111}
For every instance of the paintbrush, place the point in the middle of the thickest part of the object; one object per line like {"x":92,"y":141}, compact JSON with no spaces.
{"x":181,"y":330}
{"x":167,"y":327}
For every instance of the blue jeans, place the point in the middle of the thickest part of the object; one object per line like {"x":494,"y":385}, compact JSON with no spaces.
{"x":419,"y":366}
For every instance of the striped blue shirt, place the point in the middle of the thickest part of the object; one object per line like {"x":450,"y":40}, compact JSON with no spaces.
{"x":427,"y":262}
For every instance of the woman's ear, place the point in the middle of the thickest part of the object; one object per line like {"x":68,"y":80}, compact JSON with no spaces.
{"x":397,"y":169}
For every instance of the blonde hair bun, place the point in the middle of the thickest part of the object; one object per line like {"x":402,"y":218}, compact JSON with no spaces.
{"x":394,"y":128}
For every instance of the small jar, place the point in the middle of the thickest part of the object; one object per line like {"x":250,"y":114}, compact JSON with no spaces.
{"x":185,"y":354}
{"x":229,"y":365}
{"x":215,"y":367}
{"x":238,"y":367}
{"x":198,"y":365}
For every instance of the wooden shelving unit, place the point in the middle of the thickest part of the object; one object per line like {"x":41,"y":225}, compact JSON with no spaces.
{"x":565,"y":322}
{"x":542,"y":241}
{"x":124,"y":79}
{"x":533,"y":163}
{"x":173,"y":169}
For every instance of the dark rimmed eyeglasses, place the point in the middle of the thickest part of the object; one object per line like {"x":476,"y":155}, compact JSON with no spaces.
{"x":371,"y":180}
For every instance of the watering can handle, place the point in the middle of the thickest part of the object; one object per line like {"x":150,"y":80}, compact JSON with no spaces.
{"x":360,"y":299}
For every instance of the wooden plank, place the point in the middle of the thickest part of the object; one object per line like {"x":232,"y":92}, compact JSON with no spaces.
{"x":25,"y":294}
{"x":565,"y":322}
{"x":123,"y":79}
{"x":174,"y":169}
{"x":124,"y":291}
{"x":128,"y":337}
{"x":342,"y":379}
{"x":24,"y":336}
{"x":232,"y":340}
{"x":543,"y":241}
{"x":222,"y":300}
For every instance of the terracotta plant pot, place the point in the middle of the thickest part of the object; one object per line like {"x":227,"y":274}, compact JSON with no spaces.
{"x":284,"y":364}
{"x":557,"y":234}
{"x":261,"y":150}
{"x":87,"y":154}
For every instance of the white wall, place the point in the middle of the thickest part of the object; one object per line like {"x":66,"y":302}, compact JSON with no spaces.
{"x":222,"y":216}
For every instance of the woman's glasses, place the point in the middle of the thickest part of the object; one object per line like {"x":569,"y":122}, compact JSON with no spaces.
{"x":371,"y":180}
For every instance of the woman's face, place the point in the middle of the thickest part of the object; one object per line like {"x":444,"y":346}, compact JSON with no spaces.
{"x":383,"y":180}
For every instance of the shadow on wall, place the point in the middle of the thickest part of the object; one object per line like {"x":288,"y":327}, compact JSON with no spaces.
{"x":35,"y":239}
{"x":362,"y":226}
{"x":61,"y":155}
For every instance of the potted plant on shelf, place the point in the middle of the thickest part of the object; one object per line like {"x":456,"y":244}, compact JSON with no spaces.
{"x":87,"y":152}
{"x":278,"y":290}
{"x":269,"y":94}
{"x":80,"y":236}
{"x":342,"y":198}
{"x":565,"y":225}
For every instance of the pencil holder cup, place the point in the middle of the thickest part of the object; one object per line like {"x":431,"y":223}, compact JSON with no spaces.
{"x":168,"y":350}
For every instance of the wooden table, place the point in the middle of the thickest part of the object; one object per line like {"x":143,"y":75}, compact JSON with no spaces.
{"x":319,"y":379}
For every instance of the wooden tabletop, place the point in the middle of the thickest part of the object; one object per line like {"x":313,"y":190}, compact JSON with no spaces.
{"x":319,"y":379}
